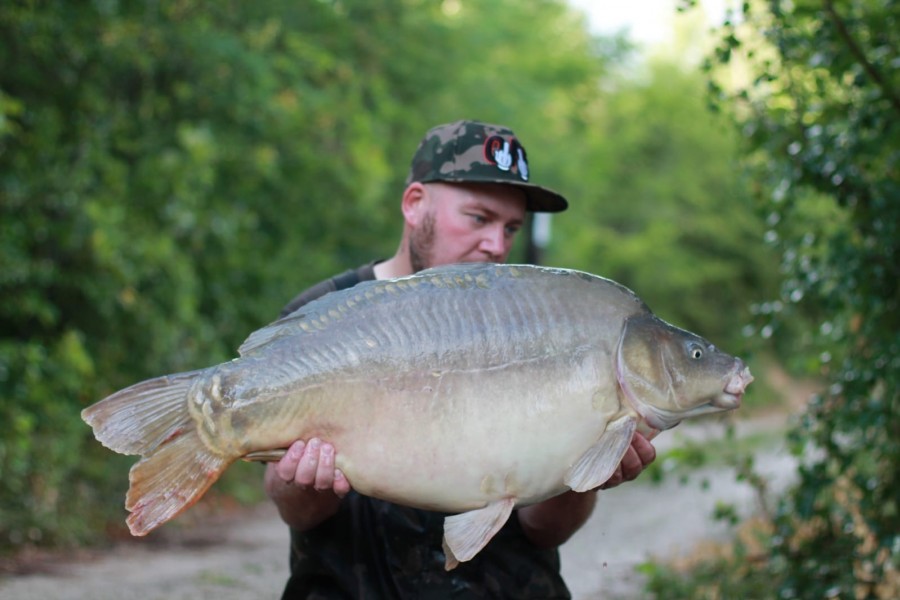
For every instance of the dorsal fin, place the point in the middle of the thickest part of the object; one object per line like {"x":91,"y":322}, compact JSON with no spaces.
{"x":322,"y":312}
{"x":264,"y":335}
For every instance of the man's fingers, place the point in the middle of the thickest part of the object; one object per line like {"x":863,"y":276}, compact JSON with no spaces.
{"x":286,"y":468}
{"x":308,"y":466}
{"x":614,"y":480}
{"x":325,"y":468}
{"x":311,"y":465}
{"x":645,"y":450}
{"x":639,"y":454}
{"x":341,"y":485}
{"x":631,"y":464}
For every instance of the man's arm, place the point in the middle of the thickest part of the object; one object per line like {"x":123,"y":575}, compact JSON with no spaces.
{"x":551,"y":522}
{"x":305,"y":485}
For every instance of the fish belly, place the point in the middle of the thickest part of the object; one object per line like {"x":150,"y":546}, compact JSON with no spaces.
{"x":452,"y":439}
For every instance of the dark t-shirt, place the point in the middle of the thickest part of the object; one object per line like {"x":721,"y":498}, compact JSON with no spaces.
{"x":372,"y":549}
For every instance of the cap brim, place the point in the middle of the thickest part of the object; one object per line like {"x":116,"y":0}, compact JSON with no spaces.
{"x":537,"y":198}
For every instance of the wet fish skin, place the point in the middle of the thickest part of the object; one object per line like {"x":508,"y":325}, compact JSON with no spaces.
{"x":468,"y":389}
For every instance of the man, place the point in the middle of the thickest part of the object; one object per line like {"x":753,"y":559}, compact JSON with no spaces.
{"x":465,"y":199}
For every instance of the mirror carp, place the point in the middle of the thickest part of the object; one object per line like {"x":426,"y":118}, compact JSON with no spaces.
{"x":467,"y":389}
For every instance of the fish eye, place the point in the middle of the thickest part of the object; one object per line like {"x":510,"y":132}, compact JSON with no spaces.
{"x":696,"y":352}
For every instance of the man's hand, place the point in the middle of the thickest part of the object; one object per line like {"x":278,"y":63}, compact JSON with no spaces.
{"x":639,"y":455}
{"x":311,"y":465}
{"x":305,"y":485}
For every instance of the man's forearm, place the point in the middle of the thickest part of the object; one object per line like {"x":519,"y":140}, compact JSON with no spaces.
{"x":551,"y":522}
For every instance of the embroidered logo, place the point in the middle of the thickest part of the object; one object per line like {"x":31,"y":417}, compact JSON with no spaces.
{"x":507,"y":155}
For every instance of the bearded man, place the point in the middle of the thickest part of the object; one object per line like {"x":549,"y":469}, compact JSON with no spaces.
{"x":465,"y":200}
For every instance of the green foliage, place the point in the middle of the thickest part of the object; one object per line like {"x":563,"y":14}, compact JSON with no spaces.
{"x":705,"y":580}
{"x":822,"y":117}
{"x":662,"y":206}
{"x":171,"y":173}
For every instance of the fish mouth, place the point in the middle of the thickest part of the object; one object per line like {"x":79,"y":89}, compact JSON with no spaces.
{"x":731,"y":396}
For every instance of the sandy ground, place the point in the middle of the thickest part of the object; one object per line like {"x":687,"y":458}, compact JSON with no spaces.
{"x":640,"y":521}
{"x":246,"y":557}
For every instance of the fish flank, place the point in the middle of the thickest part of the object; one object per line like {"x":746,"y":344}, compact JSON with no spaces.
{"x":521,"y":321}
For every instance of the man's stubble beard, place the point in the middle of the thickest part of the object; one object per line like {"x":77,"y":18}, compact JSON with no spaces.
{"x":421,"y":244}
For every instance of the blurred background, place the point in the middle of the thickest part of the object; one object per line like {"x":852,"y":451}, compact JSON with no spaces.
{"x":173,"y":172}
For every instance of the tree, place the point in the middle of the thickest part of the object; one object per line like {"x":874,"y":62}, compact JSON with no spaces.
{"x":822,"y":120}
{"x":662,"y":207}
{"x":171,"y":173}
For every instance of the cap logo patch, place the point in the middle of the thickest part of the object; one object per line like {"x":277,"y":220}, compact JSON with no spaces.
{"x":506,"y":155}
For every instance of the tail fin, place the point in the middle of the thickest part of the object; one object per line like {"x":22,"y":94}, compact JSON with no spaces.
{"x":151,"y":418}
{"x":139,"y":418}
{"x":170,"y":481}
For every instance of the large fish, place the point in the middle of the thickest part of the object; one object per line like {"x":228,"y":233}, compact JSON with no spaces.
{"x":469,"y":389}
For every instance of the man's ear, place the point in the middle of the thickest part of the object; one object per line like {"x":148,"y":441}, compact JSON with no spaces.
{"x":413,"y":203}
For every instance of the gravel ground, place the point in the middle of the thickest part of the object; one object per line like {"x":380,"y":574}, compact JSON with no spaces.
{"x":246,"y":557}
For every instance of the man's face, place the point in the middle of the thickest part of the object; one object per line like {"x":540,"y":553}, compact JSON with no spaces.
{"x":466,"y":223}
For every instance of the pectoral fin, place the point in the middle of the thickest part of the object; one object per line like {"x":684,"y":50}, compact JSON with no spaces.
{"x":265,"y":455}
{"x":467,"y":533}
{"x":600,"y":461}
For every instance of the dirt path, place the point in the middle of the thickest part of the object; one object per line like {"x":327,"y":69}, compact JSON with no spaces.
{"x":643,"y":520}
{"x":246,"y":557}
{"x":233,"y":559}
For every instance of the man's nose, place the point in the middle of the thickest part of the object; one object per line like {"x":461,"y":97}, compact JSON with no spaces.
{"x":495,"y":243}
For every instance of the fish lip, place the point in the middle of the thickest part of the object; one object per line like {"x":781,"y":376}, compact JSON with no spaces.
{"x":734,"y":390}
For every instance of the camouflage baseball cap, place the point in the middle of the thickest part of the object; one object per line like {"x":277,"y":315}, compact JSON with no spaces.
{"x":474,"y":152}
